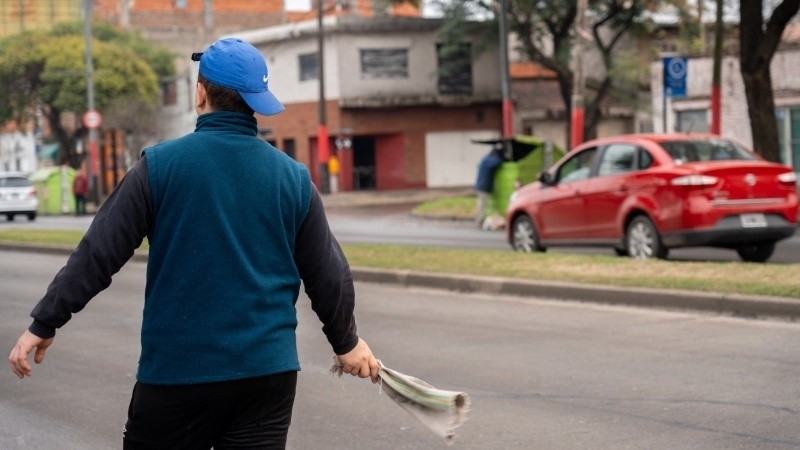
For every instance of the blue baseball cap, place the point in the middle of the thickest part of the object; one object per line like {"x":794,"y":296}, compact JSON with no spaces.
{"x":234,"y":64}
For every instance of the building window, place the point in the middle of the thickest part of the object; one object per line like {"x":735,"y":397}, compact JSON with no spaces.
{"x":308,"y":67}
{"x":169,"y":93}
{"x":692,"y":121}
{"x":384,"y":63}
{"x":455,"y":69}
{"x":289,"y":148}
{"x":789,"y":135}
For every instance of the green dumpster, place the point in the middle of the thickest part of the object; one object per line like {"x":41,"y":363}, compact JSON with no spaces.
{"x":523,"y":166}
{"x":54,"y":190}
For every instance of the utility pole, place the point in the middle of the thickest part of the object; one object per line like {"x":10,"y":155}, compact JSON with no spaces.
{"x":577,"y":108}
{"x":208,"y":16}
{"x":125,"y":14}
{"x":94,"y":163}
{"x":716,"y":83}
{"x":322,"y":129}
{"x":21,"y":15}
{"x":508,"y":106}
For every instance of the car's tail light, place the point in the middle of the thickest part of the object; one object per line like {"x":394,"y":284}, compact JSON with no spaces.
{"x":32,"y":193}
{"x":788,"y":178}
{"x":695,"y":180}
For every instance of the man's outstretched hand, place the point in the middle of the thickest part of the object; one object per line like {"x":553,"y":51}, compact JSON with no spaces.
{"x":18,"y":359}
{"x":360,"y":362}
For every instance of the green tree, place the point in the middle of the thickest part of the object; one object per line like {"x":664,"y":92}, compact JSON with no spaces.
{"x":46,"y":70}
{"x":546,"y":33}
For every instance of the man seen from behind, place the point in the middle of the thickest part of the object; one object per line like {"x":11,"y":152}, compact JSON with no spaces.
{"x":234,"y":226}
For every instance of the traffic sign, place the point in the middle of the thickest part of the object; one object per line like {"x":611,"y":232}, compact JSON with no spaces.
{"x":675,"y":70}
{"x":92,"y":119}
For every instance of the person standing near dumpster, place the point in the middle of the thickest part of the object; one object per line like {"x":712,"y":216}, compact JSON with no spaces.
{"x":80,"y":187}
{"x":484,"y":183}
{"x":234,"y":225}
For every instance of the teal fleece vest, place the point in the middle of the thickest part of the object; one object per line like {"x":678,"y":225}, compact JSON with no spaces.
{"x":221,"y":278}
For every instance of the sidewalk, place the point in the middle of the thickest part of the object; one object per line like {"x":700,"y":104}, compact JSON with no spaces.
{"x":399,"y":197}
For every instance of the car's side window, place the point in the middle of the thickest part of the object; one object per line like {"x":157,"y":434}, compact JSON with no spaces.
{"x":617,"y":158}
{"x":645,"y":159}
{"x":579,"y":167}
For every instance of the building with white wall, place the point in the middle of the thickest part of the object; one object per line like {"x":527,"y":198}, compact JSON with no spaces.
{"x":693,"y":113}
{"x":409,"y":124}
{"x":18,"y":151}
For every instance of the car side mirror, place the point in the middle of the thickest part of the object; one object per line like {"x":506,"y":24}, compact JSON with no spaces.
{"x":546,"y":178}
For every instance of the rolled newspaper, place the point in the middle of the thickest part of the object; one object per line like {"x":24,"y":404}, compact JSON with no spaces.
{"x":439,"y":410}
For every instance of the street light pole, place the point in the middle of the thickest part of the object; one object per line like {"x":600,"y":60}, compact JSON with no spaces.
{"x":508,"y":107}
{"x":716,"y":83}
{"x":577,"y":108}
{"x":21,"y":15}
{"x":322,"y":129}
{"x":94,"y":166}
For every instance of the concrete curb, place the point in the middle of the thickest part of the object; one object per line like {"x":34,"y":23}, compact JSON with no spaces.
{"x":731,"y":304}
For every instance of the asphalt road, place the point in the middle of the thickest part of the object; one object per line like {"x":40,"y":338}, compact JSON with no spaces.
{"x":541,"y":374}
{"x":394,"y":224}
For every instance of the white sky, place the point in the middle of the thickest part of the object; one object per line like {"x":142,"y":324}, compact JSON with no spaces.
{"x":305,"y":5}
{"x":297,"y":5}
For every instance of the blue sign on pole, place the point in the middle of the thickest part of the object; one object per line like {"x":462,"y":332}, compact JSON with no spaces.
{"x":675,"y":68}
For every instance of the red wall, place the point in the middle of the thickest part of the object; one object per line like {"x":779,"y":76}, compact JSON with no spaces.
{"x":390,"y":165}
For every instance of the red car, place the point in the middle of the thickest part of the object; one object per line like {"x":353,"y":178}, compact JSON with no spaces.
{"x":645,"y":194}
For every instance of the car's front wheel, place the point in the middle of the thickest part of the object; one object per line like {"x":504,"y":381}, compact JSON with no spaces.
{"x":643,"y":240}
{"x":759,"y":252}
{"x":524,"y":237}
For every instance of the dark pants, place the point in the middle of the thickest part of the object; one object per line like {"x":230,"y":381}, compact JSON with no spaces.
{"x":80,"y":205}
{"x":253,"y":413}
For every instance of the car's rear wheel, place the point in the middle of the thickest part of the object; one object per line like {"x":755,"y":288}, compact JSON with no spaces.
{"x":759,"y":252}
{"x":643,"y":240}
{"x":10,"y":217}
{"x":524,"y":237}
{"x":31,"y":216}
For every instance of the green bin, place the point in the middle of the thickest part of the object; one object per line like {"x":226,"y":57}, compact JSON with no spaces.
{"x":513,"y":174}
{"x":54,"y":190}
{"x":523,"y":165}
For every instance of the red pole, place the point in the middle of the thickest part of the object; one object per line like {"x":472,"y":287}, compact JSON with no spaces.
{"x":323,"y":154}
{"x":322,"y":146}
{"x":508,"y":118}
{"x":576,"y":127}
{"x":716,"y":109}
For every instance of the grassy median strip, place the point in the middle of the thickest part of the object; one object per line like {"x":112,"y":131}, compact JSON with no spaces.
{"x":464,"y":207}
{"x":725,"y":277}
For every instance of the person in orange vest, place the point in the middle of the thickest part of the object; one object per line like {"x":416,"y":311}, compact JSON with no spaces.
{"x":80,"y":186}
{"x":333,"y":171}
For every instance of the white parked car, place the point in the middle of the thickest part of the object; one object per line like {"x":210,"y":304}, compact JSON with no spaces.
{"x":17,"y":195}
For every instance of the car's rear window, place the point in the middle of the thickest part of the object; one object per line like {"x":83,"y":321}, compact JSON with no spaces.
{"x":14,"y":182}
{"x":705,"y":150}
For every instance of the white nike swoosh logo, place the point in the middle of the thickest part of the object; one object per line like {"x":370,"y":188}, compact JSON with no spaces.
{"x":266,"y":78}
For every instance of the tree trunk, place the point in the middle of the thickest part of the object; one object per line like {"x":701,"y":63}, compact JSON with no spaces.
{"x":761,"y":110}
{"x":66,"y":143}
{"x":758,"y":43}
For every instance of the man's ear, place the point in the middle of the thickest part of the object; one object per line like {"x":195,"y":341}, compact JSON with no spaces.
{"x":201,"y":99}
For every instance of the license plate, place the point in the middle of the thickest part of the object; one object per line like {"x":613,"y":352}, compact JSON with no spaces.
{"x":753,"y":220}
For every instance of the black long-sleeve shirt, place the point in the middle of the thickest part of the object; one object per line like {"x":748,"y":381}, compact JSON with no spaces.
{"x":126,"y":218}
